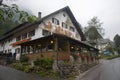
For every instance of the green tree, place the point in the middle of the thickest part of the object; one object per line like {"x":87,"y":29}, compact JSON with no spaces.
{"x":11,"y":16}
{"x":94,"y":31}
{"x":109,"y":48}
{"x":117,"y":43}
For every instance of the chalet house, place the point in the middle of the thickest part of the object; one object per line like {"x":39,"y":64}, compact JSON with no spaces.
{"x":55,"y":34}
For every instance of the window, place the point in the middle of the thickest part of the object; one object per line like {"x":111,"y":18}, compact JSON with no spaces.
{"x":24,"y":50}
{"x":64,"y":25}
{"x":50,"y":47}
{"x":5,"y":51}
{"x":18,"y":38}
{"x":64,"y":15}
{"x":45,"y":33}
{"x":2,"y":44}
{"x":72,"y":29}
{"x":55,"y":21}
{"x":10,"y":40}
{"x":77,"y":35}
{"x":24,"y":36}
{"x":31,"y":33}
{"x":17,"y":50}
{"x":9,"y":50}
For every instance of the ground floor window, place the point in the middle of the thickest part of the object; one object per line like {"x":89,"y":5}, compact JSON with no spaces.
{"x":45,"y":33}
{"x":9,"y":50}
{"x":17,"y":50}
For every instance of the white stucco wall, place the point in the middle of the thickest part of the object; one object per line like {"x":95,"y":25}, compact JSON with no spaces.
{"x":38,"y":30}
{"x":61,"y":19}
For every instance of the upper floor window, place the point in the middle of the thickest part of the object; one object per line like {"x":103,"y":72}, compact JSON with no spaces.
{"x":18,"y":38}
{"x":77,"y":35}
{"x":10,"y":40}
{"x":64,"y":15}
{"x":72,"y":29}
{"x":5,"y":51}
{"x":55,"y":21}
{"x":2,"y":44}
{"x":9,"y":50}
{"x":64,"y":25}
{"x":45,"y":33}
{"x":31,"y":33}
{"x":24,"y":36}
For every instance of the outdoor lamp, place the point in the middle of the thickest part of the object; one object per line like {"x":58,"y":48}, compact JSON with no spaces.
{"x":77,"y":48}
{"x":39,"y":45}
{"x":72,"y":47}
{"x":51,"y":42}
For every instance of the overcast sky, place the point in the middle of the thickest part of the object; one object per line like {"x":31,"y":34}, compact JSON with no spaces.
{"x":108,"y":11}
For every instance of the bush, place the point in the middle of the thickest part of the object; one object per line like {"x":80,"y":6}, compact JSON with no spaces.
{"x":17,"y":66}
{"x":112,"y":57}
{"x":28,"y":68}
{"x":44,"y":63}
{"x":42,"y":67}
{"x":42,"y":73}
{"x":37,"y":62}
{"x":24,"y":58}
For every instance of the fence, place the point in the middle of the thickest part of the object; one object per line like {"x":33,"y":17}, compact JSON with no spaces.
{"x":6,"y":59}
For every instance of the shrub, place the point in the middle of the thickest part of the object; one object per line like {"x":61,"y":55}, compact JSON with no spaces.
{"x":28,"y":68}
{"x":24,"y":58}
{"x":17,"y":66}
{"x":37,"y":62}
{"x":42,"y":73}
{"x":44,"y":63}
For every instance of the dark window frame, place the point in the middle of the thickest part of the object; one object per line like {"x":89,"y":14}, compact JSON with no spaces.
{"x":64,"y":25}
{"x":64,"y":15}
{"x":72,"y":29}
{"x":10,"y":40}
{"x":55,"y":21}
{"x":45,"y":32}
{"x":31,"y":33}
{"x":17,"y":50}
{"x":18,"y":38}
{"x":24,"y":36}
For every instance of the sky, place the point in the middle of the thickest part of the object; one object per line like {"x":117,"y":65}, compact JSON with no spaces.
{"x":108,"y":11}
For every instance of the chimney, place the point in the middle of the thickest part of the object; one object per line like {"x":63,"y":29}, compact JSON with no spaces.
{"x":39,"y":15}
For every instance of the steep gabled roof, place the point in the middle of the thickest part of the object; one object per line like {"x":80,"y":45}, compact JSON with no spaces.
{"x":74,"y":21}
{"x":26,"y":24}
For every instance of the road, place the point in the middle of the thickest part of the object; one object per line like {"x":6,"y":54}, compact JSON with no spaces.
{"x":7,"y":73}
{"x":108,"y":70}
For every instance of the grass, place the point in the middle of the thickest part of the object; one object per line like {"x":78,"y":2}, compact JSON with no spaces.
{"x":108,"y":57}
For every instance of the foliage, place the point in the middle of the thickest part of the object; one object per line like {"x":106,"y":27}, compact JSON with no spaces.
{"x":42,"y":67}
{"x":117,"y":43}
{"x":11,"y":16}
{"x":17,"y":66}
{"x":110,"y":56}
{"x":28,"y":68}
{"x":109,"y":48}
{"x":24,"y":58}
{"x":22,"y":66}
{"x":44,"y":63}
{"x":94,"y":31}
{"x":11,"y":13}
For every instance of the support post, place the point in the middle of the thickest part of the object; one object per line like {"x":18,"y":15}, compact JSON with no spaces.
{"x":56,"y":48}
